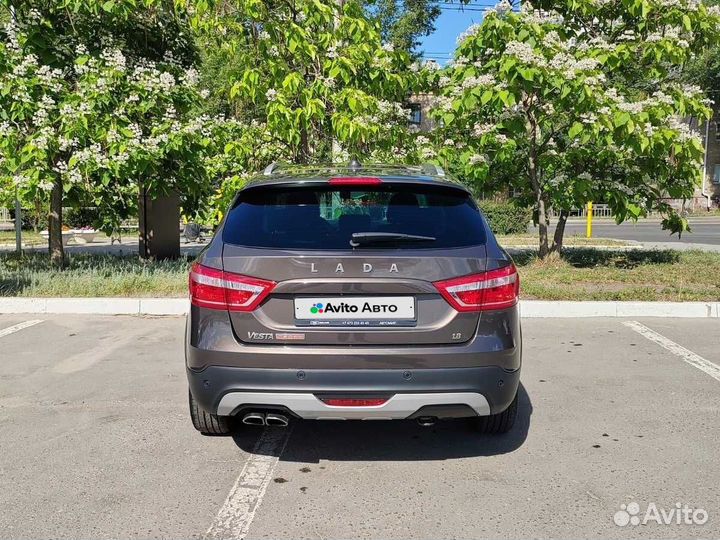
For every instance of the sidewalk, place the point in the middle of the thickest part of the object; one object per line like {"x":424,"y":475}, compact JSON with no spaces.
{"x":126,"y":247}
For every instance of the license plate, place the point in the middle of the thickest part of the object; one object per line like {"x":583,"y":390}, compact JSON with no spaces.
{"x":355,"y":311}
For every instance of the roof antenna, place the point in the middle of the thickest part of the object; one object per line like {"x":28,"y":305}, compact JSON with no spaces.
{"x":355,"y":164}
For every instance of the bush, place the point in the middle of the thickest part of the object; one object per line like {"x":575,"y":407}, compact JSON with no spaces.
{"x":81,"y":217}
{"x":506,"y":218}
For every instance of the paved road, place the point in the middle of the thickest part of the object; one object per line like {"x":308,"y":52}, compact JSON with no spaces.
{"x":704,"y":231}
{"x":96,"y":443}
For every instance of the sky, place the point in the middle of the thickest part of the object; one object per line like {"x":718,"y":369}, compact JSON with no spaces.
{"x":453,"y":21}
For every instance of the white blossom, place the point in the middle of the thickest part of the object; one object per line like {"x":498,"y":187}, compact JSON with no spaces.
{"x":114,"y":59}
{"x":538,"y":16}
{"x":588,"y":118}
{"x":191,"y":77}
{"x":45,"y":185}
{"x":481,"y":129}
{"x":11,"y":41}
{"x":471,"y":31}
{"x":167,"y":81}
{"x":20,"y":180}
{"x":633,"y":108}
{"x":503,"y":7}
{"x":685,"y":133}
{"x":525,"y":53}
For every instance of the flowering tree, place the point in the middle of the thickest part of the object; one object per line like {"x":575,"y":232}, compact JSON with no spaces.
{"x":96,"y":123}
{"x":579,"y":105}
{"x":314,"y":72}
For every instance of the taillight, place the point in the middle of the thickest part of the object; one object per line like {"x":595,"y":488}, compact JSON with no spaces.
{"x":496,"y":289}
{"x":354,"y":402}
{"x":217,"y":289}
{"x":355,"y":181}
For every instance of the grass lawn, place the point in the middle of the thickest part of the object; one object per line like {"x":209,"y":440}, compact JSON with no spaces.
{"x":510,"y":240}
{"x":28,"y":238}
{"x":582,"y":274}
{"x":591,"y":274}
{"x":91,"y":275}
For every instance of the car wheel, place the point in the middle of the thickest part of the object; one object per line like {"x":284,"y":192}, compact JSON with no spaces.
{"x":498,"y":423}
{"x":204,"y":422}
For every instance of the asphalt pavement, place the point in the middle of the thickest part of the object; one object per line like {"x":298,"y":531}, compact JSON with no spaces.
{"x":615,"y":416}
{"x":704,"y":231}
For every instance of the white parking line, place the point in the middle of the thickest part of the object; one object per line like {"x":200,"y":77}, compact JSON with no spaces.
{"x":237,"y":513}
{"x":690,"y":357}
{"x":12,"y":329}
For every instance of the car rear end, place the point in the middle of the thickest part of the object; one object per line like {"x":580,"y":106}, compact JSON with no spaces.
{"x":353,"y":297}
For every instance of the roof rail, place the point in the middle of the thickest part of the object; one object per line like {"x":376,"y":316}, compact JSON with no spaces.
{"x":429,"y":169}
{"x":270,"y":169}
{"x":432,"y":169}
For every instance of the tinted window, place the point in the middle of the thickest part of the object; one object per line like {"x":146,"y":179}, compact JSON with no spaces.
{"x":325,"y":217}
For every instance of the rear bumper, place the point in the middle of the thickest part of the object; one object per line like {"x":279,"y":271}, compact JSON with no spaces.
{"x":479,"y":390}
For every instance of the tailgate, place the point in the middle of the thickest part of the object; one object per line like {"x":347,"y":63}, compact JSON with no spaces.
{"x":354,"y":300}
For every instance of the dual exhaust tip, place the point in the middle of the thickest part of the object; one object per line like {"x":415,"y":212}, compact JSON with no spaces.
{"x":263,"y":419}
{"x":280,"y":420}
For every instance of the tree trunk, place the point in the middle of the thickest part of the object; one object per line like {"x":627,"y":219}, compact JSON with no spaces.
{"x":543,"y":220}
{"x":543,"y":223}
{"x":55,"y":243}
{"x":303,"y":154}
{"x":560,"y":232}
{"x":38,"y":212}
{"x":540,"y":201}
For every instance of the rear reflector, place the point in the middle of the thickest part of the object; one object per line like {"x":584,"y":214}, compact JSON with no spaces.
{"x":217,"y":289}
{"x":496,"y":289}
{"x":373,"y":402}
{"x":355,"y":181}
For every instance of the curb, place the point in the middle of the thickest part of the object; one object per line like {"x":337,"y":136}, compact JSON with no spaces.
{"x":564,"y":309}
{"x":530,"y":309}
{"x":96,"y":306}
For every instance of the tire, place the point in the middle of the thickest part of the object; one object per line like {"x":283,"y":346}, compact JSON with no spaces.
{"x":204,"y":422}
{"x":499,"y":423}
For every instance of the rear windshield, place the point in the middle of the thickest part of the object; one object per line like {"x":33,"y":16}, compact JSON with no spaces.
{"x":324,"y":218}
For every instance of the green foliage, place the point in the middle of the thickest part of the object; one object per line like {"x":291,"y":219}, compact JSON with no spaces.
{"x":506,"y":217}
{"x":314,"y":74}
{"x":82,"y":216}
{"x":578,"y":105}
{"x":403,"y":24}
{"x":87,"y":105}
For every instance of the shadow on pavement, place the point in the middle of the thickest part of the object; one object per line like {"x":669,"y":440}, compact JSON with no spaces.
{"x":312,"y":441}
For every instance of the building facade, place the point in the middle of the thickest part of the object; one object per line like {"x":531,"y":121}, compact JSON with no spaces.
{"x":708,"y":195}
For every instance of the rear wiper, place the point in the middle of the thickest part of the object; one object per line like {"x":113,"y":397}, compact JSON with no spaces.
{"x":360,"y":238}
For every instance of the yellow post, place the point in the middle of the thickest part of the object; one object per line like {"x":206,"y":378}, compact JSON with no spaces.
{"x":589,"y":220}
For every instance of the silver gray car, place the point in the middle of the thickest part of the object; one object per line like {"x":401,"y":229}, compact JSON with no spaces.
{"x":372,"y":292}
